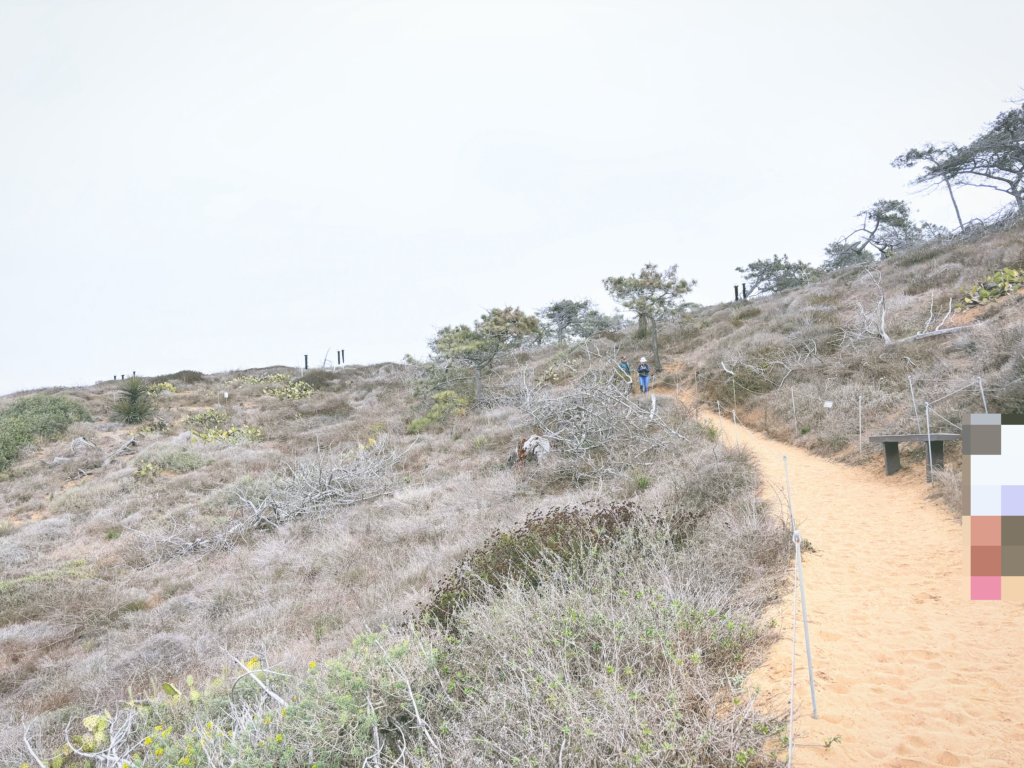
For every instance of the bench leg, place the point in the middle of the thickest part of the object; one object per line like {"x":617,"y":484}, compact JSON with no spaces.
{"x":937,"y":462}
{"x":892,"y":458}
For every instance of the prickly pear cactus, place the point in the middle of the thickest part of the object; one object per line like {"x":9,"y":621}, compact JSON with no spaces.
{"x":1002,"y":283}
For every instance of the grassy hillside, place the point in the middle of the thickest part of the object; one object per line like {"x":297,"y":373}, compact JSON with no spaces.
{"x":280,"y":525}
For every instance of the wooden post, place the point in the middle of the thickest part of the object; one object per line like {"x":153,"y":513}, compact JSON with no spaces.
{"x":306,"y":364}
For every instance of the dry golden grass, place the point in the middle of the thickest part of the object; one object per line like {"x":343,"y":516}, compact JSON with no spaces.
{"x":109,"y":583}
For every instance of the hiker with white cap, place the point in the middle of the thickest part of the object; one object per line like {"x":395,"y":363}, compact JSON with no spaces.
{"x":644,"y":372}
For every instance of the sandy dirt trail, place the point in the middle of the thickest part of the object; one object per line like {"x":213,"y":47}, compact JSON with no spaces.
{"x":908,"y":671}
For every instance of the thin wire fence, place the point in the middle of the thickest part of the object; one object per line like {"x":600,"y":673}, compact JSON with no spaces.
{"x":836,"y":415}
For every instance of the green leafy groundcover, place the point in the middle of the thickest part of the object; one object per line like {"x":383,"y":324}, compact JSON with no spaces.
{"x":42,"y":416}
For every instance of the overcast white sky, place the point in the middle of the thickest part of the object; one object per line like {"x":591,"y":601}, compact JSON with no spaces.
{"x":215,"y":185}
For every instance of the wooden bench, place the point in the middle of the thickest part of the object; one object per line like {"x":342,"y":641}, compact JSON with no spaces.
{"x":892,"y":449}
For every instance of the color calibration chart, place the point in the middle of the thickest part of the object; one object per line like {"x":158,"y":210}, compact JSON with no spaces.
{"x":993,"y":505}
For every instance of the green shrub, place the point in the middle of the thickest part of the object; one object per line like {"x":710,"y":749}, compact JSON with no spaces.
{"x":187,"y":377}
{"x":231,"y":435}
{"x":209,"y":419}
{"x":163,"y":386}
{"x":157,"y":425}
{"x":133,"y":404}
{"x":295,"y":390}
{"x":177,"y":460}
{"x":35,"y":416}
{"x":263,"y":378}
{"x":560,"y":534}
{"x":318,"y":378}
{"x":146,"y":471}
{"x":446,"y":404}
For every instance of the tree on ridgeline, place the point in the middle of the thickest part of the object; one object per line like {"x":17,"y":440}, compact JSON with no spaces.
{"x":595,"y":322}
{"x":886,"y":226}
{"x":569,"y":319}
{"x":993,"y":160}
{"x":775,"y":274}
{"x":564,"y":317}
{"x":652,"y":295}
{"x":934,"y":171}
{"x":496,"y":332}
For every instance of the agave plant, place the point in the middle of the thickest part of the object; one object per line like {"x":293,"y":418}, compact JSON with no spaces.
{"x":133,"y":404}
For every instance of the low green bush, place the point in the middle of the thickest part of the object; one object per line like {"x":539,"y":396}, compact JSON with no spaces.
{"x":447,"y":403}
{"x":240,"y":434}
{"x":209,"y":419}
{"x":37,"y":416}
{"x":317,"y":378}
{"x":295,"y":390}
{"x":180,"y":461}
{"x":263,"y":378}
{"x":519,"y":555}
{"x":187,"y":377}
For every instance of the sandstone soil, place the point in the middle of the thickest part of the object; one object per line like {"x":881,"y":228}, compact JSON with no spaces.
{"x":909,"y":671}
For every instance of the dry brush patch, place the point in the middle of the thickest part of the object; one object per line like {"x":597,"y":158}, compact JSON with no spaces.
{"x":855,"y":338}
{"x":628,"y":646}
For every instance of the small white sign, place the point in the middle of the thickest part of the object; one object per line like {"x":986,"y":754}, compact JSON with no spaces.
{"x":225,"y":395}
{"x":828,"y":403}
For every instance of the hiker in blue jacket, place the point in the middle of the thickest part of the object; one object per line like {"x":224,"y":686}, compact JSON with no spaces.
{"x":644,"y":372}
{"x":624,"y":366}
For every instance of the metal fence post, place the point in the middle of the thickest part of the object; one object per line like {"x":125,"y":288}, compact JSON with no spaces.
{"x":807,"y":634}
{"x":982,"y":388}
{"x":914,"y":401}
{"x":789,"y":496}
{"x":721,"y":425}
{"x":928,"y":423}
{"x":736,"y":429}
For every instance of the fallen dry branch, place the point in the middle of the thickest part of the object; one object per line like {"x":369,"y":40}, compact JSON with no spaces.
{"x":942,"y":332}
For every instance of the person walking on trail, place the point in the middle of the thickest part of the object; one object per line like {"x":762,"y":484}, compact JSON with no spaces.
{"x":644,"y":372}
{"x":624,"y":366}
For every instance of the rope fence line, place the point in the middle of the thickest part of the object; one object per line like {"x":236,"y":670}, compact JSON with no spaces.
{"x":798,"y":582}
{"x":798,"y":594}
{"x":965,"y":383}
